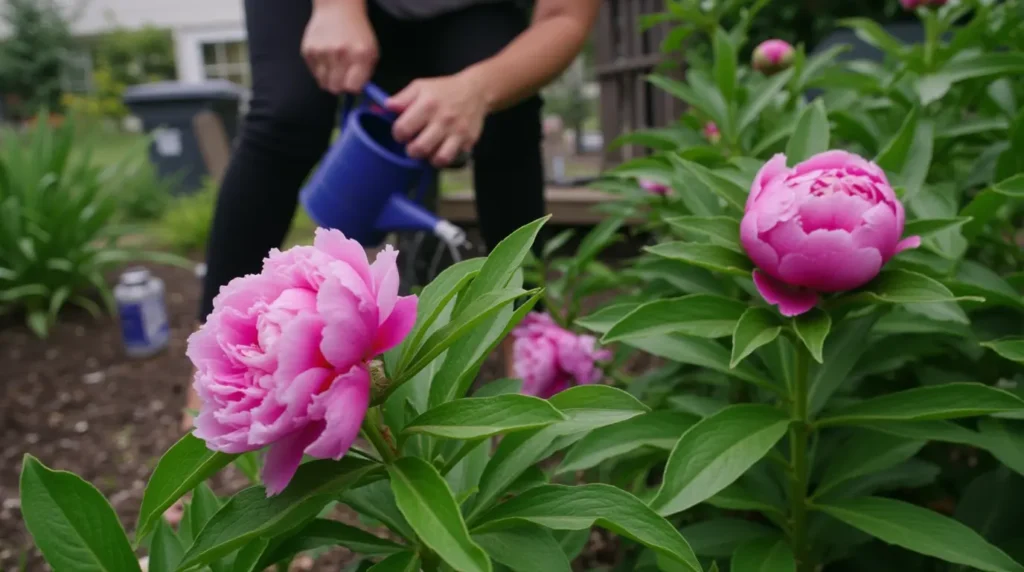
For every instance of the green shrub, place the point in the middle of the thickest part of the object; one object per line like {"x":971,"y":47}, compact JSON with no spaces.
{"x":881,"y":446}
{"x":143,"y":194}
{"x":33,"y":55}
{"x":58,"y":231}
{"x":184,"y":226}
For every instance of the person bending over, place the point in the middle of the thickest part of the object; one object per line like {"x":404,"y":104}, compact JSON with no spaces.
{"x":465,"y":75}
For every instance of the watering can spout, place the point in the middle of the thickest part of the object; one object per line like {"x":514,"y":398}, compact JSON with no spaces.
{"x":401,"y":213}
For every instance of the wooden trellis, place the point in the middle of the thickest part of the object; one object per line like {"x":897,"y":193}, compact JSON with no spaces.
{"x":624,"y":56}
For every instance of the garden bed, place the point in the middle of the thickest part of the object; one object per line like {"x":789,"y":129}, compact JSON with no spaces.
{"x":78,"y":404}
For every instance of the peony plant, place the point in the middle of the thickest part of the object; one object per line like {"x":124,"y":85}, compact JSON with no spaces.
{"x":345,"y":392}
{"x":835,"y":299}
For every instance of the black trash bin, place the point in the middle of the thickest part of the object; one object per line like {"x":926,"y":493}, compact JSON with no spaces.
{"x":166,"y":110}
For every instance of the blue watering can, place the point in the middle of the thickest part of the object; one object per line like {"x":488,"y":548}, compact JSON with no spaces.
{"x":363,"y":183}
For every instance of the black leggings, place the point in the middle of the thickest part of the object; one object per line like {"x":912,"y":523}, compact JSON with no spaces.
{"x":290,"y":121}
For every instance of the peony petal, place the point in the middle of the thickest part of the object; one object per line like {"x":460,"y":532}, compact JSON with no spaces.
{"x":348,"y":330}
{"x":791,"y":301}
{"x":242,"y":293}
{"x":298,"y":349}
{"x":385,"y":281}
{"x":877,"y":230}
{"x":342,"y":407}
{"x":833,"y":211}
{"x":908,"y":243}
{"x":535,"y":361}
{"x":829,"y":262}
{"x":397,"y":326}
{"x":286,"y":407}
{"x":218,"y":436}
{"x":834,"y":159}
{"x":284,"y":456}
{"x":336,"y":245}
{"x":774,"y":168}
{"x":759,"y":251}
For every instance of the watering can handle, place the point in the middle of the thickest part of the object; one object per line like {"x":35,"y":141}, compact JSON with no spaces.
{"x":374,"y":94}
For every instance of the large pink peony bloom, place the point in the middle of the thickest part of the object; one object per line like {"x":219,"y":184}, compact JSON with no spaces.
{"x":771,"y":56}
{"x":282,"y":359}
{"x":825,"y":225}
{"x":550,"y":359}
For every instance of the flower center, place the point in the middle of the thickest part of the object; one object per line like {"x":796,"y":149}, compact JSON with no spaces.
{"x":850,"y":184}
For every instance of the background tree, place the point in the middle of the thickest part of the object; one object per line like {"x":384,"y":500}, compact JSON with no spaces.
{"x":32,"y":57}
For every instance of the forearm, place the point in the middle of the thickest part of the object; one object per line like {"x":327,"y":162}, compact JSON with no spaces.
{"x":538,"y":55}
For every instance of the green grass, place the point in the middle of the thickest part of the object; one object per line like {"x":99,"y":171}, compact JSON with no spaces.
{"x":108,"y":145}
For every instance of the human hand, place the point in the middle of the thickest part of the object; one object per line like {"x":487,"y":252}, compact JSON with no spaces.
{"x":339,"y":46}
{"x":440,"y":117}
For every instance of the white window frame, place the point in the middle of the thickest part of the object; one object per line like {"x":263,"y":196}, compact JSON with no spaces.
{"x":188,"y":46}
{"x":222,"y":68}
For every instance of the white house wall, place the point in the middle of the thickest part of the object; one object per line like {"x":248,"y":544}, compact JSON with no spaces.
{"x":95,"y":16}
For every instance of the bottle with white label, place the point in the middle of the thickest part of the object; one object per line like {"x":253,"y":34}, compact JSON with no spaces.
{"x":143,"y":313}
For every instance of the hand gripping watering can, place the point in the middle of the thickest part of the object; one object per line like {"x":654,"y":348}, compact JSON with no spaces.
{"x":363,"y":183}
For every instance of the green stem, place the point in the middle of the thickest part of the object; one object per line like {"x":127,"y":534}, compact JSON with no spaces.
{"x":799,"y":431}
{"x":371,"y":429}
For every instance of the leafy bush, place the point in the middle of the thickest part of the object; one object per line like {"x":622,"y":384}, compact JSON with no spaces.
{"x":883,"y":408}
{"x":32,"y":56}
{"x":122,"y":58}
{"x":58,"y":235}
{"x":105,"y":99}
{"x":184,"y":225}
{"x":143,"y":194}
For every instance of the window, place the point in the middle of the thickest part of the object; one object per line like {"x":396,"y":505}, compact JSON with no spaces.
{"x":227,"y":60}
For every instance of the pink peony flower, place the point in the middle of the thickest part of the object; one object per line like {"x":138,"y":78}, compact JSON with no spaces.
{"x":550,"y":359}
{"x":772,"y":56}
{"x":655,"y":187}
{"x":282,"y":359}
{"x":825,"y":225}
{"x":711,"y":132}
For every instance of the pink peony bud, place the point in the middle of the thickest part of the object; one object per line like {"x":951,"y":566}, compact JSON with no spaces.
{"x":910,"y":5}
{"x":825,"y":225}
{"x":282,"y":359}
{"x":772,"y":56}
{"x":655,"y":187}
{"x":550,"y":359}
{"x":711,"y":132}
